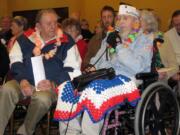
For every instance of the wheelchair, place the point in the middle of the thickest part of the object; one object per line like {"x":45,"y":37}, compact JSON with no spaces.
{"x":157,"y":112}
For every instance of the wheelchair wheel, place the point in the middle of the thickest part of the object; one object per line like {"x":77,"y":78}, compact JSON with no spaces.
{"x":157,"y":112}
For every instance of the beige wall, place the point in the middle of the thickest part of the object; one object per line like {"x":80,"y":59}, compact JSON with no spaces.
{"x":18,"y":5}
{"x":4,"y":9}
{"x":163,"y":8}
{"x":90,"y":9}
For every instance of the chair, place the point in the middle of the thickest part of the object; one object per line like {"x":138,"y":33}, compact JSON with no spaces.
{"x":24,"y":104}
{"x":21,"y":103}
{"x":19,"y":109}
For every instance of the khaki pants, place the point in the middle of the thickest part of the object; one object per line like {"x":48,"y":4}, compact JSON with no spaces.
{"x":81,"y":126}
{"x":10,"y":94}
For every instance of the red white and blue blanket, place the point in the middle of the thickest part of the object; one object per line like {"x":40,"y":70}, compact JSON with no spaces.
{"x":99,"y":97}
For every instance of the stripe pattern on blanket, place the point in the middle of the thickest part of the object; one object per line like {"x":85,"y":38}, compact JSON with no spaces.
{"x":99,"y":97}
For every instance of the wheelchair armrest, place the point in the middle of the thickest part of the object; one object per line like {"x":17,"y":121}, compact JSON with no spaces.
{"x":147,"y":76}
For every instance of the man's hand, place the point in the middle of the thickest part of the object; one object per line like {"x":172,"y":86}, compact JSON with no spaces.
{"x":113,"y":39}
{"x":26,"y":88}
{"x":44,"y":85}
{"x":89,"y":68}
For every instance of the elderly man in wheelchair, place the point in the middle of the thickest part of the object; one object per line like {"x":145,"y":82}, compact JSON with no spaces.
{"x":129,"y":52}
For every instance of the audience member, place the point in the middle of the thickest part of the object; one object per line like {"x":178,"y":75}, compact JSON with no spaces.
{"x":98,"y":28}
{"x":18,"y":25}
{"x":172,"y":48}
{"x":5,"y":33}
{"x":150,"y":26}
{"x":73,"y":28}
{"x":86,"y":33}
{"x":4,"y":62}
{"x":107,"y":19}
{"x":60,"y":61}
{"x":148,"y":22}
{"x":76,"y":16}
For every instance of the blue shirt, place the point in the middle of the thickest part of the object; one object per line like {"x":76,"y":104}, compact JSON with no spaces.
{"x":129,"y":60}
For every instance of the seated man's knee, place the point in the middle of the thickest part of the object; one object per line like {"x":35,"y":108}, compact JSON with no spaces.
{"x":11,"y":88}
{"x":43,"y":99}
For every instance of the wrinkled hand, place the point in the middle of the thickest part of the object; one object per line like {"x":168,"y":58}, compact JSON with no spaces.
{"x":113,"y":39}
{"x":44,"y":85}
{"x":89,"y":68}
{"x":26,"y":88}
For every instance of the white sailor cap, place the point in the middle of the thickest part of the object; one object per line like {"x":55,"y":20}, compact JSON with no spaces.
{"x":128,"y":10}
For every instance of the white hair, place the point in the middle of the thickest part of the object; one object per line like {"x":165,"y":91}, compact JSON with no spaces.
{"x":150,"y":20}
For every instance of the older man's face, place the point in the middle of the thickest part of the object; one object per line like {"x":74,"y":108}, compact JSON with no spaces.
{"x":125,"y":22}
{"x":176,"y":23}
{"x":48,"y":25}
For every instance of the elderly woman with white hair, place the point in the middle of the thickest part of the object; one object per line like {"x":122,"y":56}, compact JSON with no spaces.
{"x":150,"y":26}
{"x":149,"y":22}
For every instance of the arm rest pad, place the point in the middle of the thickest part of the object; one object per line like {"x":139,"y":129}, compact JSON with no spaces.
{"x":147,"y":76}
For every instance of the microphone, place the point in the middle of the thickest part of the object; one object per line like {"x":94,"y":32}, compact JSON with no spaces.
{"x":113,"y":39}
